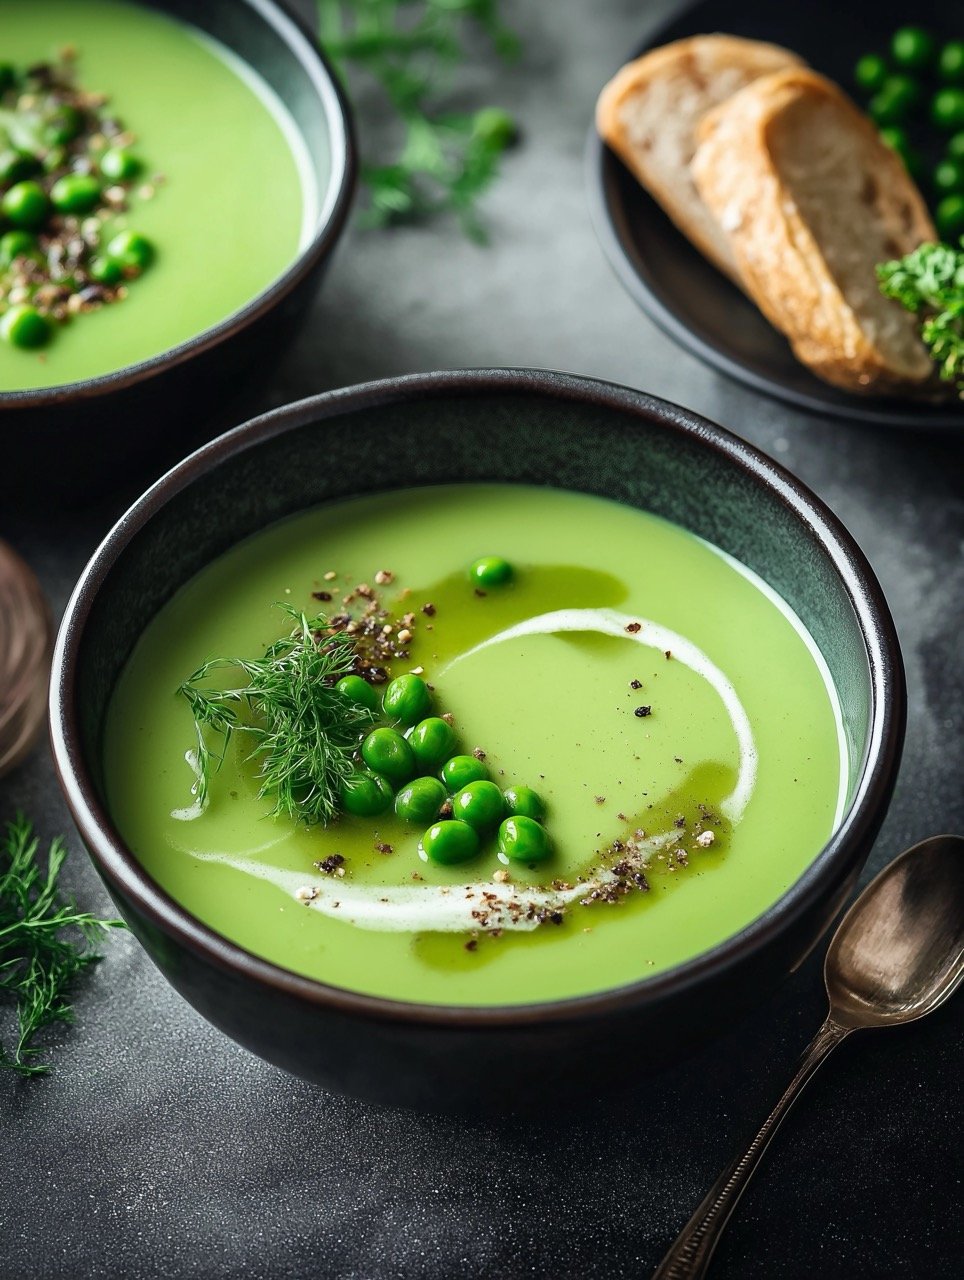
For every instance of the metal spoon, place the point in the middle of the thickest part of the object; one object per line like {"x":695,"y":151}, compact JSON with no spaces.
{"x":897,"y":954}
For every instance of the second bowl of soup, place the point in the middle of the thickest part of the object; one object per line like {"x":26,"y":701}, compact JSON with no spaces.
{"x":172,"y":179}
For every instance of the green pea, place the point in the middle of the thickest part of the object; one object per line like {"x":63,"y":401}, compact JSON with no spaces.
{"x":420,"y":800}
{"x":523,"y":802}
{"x":407,"y":700}
{"x":870,"y":72}
{"x":131,"y":252}
{"x":449,"y":842}
{"x":949,"y":176}
{"x":56,"y":158}
{"x":895,"y":138}
{"x":461,"y":770}
{"x":903,"y":89}
{"x":25,"y":205}
{"x":490,"y":571}
{"x":884,"y":109}
{"x":385,"y":751}
{"x":63,"y":126}
{"x":494,"y":125}
{"x":366,"y":794}
{"x":951,"y":62}
{"x":955,"y":146}
{"x":894,"y":99}
{"x":947,"y":109}
{"x":913,"y":47}
{"x":432,"y":741}
{"x":24,"y":326}
{"x":16,"y":165}
{"x":353,"y":687}
{"x":480,"y":804}
{"x":104,"y":270}
{"x":75,"y":193}
{"x":522,"y":839}
{"x":17,"y":244}
{"x":119,"y":165}
{"x":949,"y":216}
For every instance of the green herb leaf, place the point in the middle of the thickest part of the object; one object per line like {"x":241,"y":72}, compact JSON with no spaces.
{"x":44,"y":942}
{"x":305,"y":732}
{"x":412,"y":50}
{"x":930,"y":283}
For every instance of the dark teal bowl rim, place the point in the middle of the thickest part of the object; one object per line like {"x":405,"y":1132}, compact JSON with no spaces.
{"x":838,"y":861}
{"x":332,"y":217}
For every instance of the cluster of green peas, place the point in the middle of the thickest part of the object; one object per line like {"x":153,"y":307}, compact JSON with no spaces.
{"x":417,"y":767}
{"x":26,"y":206}
{"x":922,"y":74}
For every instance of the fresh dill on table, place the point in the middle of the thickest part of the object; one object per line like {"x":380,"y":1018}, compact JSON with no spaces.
{"x":412,"y":49}
{"x":45,"y":942}
{"x":305,"y":733}
{"x":930,"y":283}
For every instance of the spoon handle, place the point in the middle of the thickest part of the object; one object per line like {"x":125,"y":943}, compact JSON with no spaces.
{"x":689,"y":1257}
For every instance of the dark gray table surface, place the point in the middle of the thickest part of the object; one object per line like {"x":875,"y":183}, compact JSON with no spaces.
{"x":159,"y":1148}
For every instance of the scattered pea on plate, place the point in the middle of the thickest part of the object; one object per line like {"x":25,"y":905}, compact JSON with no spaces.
{"x":915,"y":94}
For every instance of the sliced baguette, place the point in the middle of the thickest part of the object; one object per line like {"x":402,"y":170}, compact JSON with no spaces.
{"x":649,"y":111}
{"x":811,"y":200}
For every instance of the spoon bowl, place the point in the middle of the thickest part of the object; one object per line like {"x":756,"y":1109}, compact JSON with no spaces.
{"x":897,"y":954}
{"x":899,"y":951}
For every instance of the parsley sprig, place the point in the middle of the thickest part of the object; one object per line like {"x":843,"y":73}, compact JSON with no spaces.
{"x":304,"y":732}
{"x":412,"y":50}
{"x":930,"y":283}
{"x":45,"y":942}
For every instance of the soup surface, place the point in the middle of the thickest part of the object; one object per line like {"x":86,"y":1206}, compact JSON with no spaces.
{"x":656,"y":694}
{"x":232,"y":209}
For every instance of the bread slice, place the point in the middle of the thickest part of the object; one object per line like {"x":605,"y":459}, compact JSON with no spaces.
{"x":649,"y":111}
{"x":811,"y":200}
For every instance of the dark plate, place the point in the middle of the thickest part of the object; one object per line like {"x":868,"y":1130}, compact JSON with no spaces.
{"x":673,"y":282}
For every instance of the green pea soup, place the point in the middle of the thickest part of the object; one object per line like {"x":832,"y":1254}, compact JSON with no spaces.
{"x":234,"y":206}
{"x":645,"y":685}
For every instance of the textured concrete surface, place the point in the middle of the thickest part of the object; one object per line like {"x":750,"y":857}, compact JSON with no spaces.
{"x":159,"y":1149}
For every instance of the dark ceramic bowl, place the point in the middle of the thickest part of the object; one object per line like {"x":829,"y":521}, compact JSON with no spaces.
{"x":87,"y":426}
{"x":501,"y":425}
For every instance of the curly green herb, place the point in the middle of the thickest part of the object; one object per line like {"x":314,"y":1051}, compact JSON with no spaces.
{"x":305,"y":731}
{"x":44,"y":942}
{"x":930,"y":283}
{"x":446,"y":160}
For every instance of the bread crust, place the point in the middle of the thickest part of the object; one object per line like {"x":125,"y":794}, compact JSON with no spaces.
{"x":701,"y":71}
{"x":740,"y":175}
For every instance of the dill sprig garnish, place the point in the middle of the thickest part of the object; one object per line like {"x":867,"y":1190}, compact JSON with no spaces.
{"x":305,"y":732}
{"x":44,"y":942}
{"x":411,"y":49}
